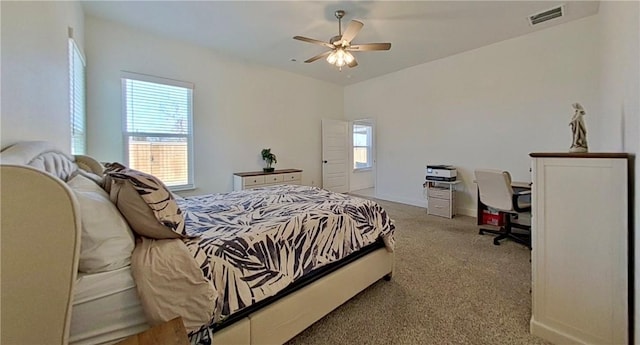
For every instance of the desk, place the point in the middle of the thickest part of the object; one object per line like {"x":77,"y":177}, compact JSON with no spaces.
{"x":517,"y":187}
{"x":441,"y":199}
{"x":521,"y":185}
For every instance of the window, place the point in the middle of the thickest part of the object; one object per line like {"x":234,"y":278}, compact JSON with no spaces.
{"x":362,"y":148}
{"x":77,"y":99}
{"x":158,"y":129}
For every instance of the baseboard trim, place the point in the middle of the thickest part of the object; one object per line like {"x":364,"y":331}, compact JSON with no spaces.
{"x":471,"y":212}
{"x":406,"y":201}
{"x":545,"y":332}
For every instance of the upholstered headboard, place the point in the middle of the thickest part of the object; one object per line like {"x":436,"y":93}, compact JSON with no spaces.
{"x":40,"y":242}
{"x":44,"y":156}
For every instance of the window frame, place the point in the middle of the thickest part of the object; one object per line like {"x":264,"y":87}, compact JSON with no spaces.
{"x":369,"y":145}
{"x":74,"y":51}
{"x":124,"y":76}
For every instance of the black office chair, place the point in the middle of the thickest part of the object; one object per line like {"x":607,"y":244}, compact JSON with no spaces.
{"x":494,"y":187}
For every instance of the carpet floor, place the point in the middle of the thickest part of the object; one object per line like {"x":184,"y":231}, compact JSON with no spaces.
{"x":449,"y":286}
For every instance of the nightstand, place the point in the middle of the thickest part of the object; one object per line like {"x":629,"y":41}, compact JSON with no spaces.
{"x":169,"y":333}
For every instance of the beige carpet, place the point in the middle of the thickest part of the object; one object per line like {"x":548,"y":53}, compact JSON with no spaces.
{"x":450,"y":286}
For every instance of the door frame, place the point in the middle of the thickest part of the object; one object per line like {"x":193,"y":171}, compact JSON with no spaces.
{"x":374,"y":166}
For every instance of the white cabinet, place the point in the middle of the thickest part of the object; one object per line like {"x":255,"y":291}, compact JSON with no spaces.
{"x":255,"y":179}
{"x":580,"y":234}
{"x":441,"y":198}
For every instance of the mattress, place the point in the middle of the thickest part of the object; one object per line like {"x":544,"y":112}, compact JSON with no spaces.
{"x":252,"y":244}
{"x":106,"y":308}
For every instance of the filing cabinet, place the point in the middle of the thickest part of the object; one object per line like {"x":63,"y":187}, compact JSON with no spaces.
{"x":441,"y":198}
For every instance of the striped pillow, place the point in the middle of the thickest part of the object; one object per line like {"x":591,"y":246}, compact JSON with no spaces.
{"x":146,"y":203}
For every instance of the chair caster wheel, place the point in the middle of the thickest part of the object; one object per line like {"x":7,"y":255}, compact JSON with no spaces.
{"x":496,"y":243}
{"x":480,"y":232}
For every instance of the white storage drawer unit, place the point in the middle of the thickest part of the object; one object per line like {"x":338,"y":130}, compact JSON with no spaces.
{"x":441,"y":207}
{"x":580,"y":258}
{"x":441,"y":198}
{"x":439,"y":193}
{"x":255,"y":179}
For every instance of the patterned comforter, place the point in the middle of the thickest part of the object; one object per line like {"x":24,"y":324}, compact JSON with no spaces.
{"x":252,"y":244}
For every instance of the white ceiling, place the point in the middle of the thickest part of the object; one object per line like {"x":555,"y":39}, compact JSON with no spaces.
{"x":261,"y":31}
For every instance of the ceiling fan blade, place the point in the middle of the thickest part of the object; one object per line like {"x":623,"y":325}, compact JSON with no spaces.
{"x":352,"y":30}
{"x":319,"y":56}
{"x":370,"y":46}
{"x":353,"y":63}
{"x":314,"y":41}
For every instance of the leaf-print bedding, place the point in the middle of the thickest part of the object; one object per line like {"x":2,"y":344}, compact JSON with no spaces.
{"x":254,"y":243}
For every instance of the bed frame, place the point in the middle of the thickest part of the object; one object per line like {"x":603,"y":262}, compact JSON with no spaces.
{"x":39,"y":251}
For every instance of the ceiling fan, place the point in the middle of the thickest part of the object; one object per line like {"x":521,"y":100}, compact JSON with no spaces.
{"x":340,"y":45}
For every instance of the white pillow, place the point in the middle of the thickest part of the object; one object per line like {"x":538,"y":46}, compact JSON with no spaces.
{"x":106,"y":240}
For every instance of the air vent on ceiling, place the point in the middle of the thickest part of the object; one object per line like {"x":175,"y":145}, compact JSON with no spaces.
{"x":543,"y":16}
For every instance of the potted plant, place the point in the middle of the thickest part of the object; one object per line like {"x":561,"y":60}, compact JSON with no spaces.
{"x":270,"y":159}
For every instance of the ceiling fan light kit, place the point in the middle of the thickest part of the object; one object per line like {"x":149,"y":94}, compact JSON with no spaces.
{"x":340,"y":57}
{"x":340,"y":45}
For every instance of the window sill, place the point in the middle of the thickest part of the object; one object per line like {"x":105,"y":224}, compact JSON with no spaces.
{"x":362,"y":170}
{"x":184,"y":188}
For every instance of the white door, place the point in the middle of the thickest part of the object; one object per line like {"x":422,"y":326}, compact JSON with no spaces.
{"x":335,"y":155}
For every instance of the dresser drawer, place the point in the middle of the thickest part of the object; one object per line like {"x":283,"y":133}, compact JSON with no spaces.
{"x":440,"y":207}
{"x":252,"y":180}
{"x":277,"y":178}
{"x":441,"y":193}
{"x":255,"y":179}
{"x":292,"y":177}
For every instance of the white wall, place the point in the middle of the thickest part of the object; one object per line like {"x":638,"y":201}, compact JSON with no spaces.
{"x":619,"y":35}
{"x":485,"y":108}
{"x":239,"y":108}
{"x":35,"y":70}
{"x":488,"y":107}
{"x":362,"y":179}
{"x":620,"y":85}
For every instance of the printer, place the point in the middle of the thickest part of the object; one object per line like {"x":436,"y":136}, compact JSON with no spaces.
{"x":445,"y":173}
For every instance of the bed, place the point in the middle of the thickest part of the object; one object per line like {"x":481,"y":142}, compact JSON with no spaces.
{"x":46,"y":286}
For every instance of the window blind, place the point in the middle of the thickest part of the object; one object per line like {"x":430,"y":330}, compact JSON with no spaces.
{"x":158,"y":128}
{"x":362,"y":150}
{"x":77,"y":99}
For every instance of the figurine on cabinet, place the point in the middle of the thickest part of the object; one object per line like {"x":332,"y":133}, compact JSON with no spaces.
{"x":579,"y":130}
